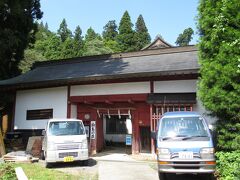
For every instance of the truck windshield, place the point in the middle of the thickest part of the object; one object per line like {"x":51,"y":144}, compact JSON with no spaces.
{"x":62,"y":128}
{"x":182,"y":127}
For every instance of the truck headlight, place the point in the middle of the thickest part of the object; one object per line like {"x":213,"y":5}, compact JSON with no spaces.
{"x":84,"y":144}
{"x":50,"y":145}
{"x":163,"y":153}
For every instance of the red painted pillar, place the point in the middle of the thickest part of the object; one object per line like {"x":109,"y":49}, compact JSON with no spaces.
{"x":68,"y":102}
{"x":135,"y":138}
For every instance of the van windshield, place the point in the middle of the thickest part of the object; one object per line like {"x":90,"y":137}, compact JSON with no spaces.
{"x":62,"y":128}
{"x":183,"y":127}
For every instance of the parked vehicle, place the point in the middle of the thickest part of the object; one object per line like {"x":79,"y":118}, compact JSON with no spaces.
{"x":184,"y":145}
{"x":65,"y":140}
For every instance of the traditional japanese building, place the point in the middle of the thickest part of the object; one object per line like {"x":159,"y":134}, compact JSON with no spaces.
{"x":119,"y":92}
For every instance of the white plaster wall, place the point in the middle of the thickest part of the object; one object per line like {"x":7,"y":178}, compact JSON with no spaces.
{"x":179,"y":86}
{"x":55,"y":98}
{"x":115,"y":88}
{"x":74,"y":111}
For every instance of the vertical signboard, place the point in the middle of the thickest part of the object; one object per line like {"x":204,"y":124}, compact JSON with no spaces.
{"x":93,"y":130}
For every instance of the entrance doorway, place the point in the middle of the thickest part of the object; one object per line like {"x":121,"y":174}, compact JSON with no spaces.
{"x":115,"y":130}
{"x":145,"y":139}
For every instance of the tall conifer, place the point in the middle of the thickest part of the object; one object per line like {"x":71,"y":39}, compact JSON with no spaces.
{"x":63,"y":31}
{"x":219,"y":87}
{"x":125,"y":37}
{"x":142,"y":36}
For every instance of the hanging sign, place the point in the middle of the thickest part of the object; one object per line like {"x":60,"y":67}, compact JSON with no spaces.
{"x":93,"y":130}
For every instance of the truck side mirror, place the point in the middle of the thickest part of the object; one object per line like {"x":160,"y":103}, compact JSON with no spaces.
{"x":43,"y":132}
{"x":154,"y":135}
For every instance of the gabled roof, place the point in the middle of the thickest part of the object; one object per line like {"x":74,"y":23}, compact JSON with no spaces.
{"x":149,"y":63}
{"x":158,"y":43}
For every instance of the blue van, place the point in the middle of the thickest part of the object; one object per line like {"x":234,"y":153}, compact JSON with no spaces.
{"x":184,"y":145}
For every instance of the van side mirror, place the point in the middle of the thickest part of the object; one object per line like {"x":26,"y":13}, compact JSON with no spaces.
{"x":43,"y":132}
{"x":154,"y":135}
{"x":210,"y":127}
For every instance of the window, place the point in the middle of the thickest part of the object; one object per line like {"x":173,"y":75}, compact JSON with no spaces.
{"x":183,"y":126}
{"x":39,"y":114}
{"x":114,"y":125}
{"x":66,"y":128}
{"x":160,"y":109}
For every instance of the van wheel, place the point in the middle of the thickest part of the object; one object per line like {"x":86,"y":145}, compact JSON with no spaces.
{"x":162,"y":176}
{"x":209,"y":177}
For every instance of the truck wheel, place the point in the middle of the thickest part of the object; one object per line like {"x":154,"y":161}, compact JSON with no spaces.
{"x":42,"y":155}
{"x":162,"y":176}
{"x":46,"y":164}
{"x":85,"y":162}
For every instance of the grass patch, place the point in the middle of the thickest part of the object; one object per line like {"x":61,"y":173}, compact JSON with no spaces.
{"x":7,"y":172}
{"x":37,"y":172}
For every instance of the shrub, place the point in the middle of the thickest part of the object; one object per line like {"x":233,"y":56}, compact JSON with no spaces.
{"x":228,"y":165}
{"x":7,"y":172}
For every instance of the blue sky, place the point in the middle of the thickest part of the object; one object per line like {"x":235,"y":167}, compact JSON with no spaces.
{"x":166,"y":17}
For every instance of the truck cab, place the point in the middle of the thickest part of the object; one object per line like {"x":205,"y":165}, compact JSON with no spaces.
{"x":65,"y":140}
{"x":184,"y":145}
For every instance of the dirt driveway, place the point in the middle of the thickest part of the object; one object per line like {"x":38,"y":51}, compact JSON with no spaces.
{"x":115,"y":164}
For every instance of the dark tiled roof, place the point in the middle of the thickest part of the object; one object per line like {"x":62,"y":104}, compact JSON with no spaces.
{"x":137,"y":64}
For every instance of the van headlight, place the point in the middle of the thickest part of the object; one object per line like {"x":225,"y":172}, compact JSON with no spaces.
{"x":84,"y":144}
{"x":207,"y":153}
{"x":50,"y":145}
{"x":163,"y":153}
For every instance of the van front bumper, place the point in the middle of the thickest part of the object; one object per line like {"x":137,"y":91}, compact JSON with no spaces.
{"x":60,"y":155}
{"x":191,"y":167}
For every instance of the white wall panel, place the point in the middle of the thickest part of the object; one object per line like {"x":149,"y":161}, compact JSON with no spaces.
{"x":115,"y":88}
{"x":55,"y":98}
{"x":74,"y":111}
{"x":178,"y":86}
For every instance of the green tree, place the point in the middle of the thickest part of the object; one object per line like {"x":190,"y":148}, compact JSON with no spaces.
{"x":67,"y":49}
{"x":185,"y":37}
{"x":110,"y":31}
{"x":63,"y":31}
{"x":42,"y":32}
{"x":142,"y":36}
{"x":52,"y":49}
{"x":113,"y":45}
{"x":78,"y":42}
{"x":219,"y":87}
{"x":30,"y":57}
{"x":125,"y":36}
{"x":91,"y":35}
{"x":95,"y":47}
{"x":17,"y":29}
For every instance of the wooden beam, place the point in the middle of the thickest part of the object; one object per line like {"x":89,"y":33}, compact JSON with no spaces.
{"x":87,"y":102}
{"x":131,"y":101}
{"x":108,"y":102}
